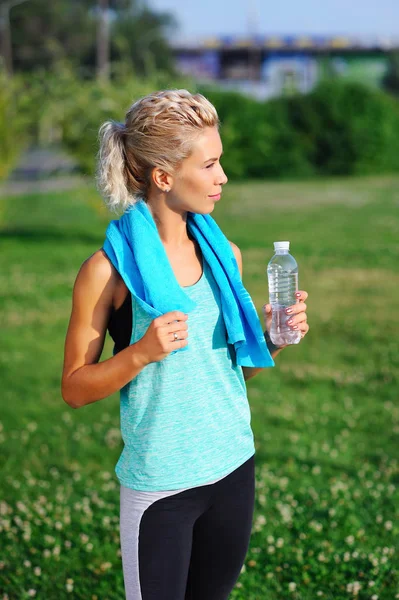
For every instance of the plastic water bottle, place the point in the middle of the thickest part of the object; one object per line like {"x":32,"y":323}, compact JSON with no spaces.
{"x":282,"y":274}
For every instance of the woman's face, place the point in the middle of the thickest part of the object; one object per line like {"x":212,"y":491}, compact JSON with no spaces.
{"x":198,"y":183}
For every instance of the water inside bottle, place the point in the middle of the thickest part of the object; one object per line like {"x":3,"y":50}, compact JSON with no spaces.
{"x":282,"y":287}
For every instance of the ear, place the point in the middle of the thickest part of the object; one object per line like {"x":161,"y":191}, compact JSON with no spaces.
{"x":163,"y":181}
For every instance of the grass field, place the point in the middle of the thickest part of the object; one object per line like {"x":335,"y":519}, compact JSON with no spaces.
{"x":325,"y":419}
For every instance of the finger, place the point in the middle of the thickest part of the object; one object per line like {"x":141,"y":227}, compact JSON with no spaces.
{"x":176,"y":336}
{"x":301,"y":295}
{"x":304,"y":330}
{"x":180,"y":333}
{"x":171,"y":328}
{"x":267,"y":308}
{"x":296,"y":321}
{"x":301,"y":318}
{"x":175,"y":315}
{"x":296,"y":308}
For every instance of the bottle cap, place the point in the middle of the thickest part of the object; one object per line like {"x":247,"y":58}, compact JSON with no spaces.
{"x":281,"y":246}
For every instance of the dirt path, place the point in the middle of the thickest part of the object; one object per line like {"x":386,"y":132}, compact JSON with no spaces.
{"x":16,"y":188}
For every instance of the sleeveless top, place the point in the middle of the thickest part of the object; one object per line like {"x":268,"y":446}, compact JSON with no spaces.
{"x":185,"y":420}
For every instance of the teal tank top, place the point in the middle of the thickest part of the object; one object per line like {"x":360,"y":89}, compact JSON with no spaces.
{"x":185,"y":420}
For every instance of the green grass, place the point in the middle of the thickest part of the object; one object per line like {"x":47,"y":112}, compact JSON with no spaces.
{"x":326,"y":418}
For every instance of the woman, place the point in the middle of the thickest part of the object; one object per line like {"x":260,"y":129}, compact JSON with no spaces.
{"x":180,"y":359}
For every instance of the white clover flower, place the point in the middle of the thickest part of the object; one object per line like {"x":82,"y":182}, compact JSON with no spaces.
{"x":27,"y":563}
{"x":388,"y":525}
{"x":292,"y":586}
{"x":350,"y":539}
{"x":280,"y":543}
{"x":37,"y":571}
{"x":31,"y":592}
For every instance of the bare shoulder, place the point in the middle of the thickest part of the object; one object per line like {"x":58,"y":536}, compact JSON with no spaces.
{"x":237,"y":254}
{"x":98,"y":268}
{"x":97,"y":277}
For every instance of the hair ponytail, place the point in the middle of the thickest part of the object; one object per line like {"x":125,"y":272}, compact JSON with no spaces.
{"x":111,"y":179}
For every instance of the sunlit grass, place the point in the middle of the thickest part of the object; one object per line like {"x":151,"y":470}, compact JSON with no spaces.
{"x":326,"y":419}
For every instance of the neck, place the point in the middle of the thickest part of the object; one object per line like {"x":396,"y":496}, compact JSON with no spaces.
{"x":171,"y":225}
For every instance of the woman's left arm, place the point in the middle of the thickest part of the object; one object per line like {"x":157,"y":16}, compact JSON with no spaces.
{"x":297,"y":315}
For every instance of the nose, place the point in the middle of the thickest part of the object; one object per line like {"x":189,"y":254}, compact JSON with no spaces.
{"x":222,"y":179}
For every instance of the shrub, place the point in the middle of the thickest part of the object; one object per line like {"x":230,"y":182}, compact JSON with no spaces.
{"x":338,"y":129}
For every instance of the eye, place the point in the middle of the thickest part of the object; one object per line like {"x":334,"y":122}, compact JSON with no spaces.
{"x":209,"y":166}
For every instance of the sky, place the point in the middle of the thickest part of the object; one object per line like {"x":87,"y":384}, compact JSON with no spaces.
{"x":203,"y":18}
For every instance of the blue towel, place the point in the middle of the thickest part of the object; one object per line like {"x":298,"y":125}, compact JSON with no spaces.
{"x":135,"y":249}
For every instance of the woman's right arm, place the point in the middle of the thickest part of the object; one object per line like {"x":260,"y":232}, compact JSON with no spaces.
{"x":84,"y":379}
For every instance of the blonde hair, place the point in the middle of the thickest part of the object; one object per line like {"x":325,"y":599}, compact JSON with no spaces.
{"x":160,"y":130}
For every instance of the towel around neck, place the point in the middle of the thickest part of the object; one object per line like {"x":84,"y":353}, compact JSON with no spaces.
{"x":134,"y":247}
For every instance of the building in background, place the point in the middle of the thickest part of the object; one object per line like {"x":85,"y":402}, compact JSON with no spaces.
{"x":267,"y":67}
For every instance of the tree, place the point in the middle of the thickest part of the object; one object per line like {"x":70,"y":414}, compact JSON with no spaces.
{"x":140,"y":40}
{"x":5,"y":33}
{"x":45,"y":33}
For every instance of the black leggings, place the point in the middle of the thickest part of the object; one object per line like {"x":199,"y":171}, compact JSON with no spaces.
{"x":187,"y":545}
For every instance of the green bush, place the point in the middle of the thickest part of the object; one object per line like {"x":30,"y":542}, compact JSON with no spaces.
{"x":350,"y":129}
{"x":338,"y":129}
